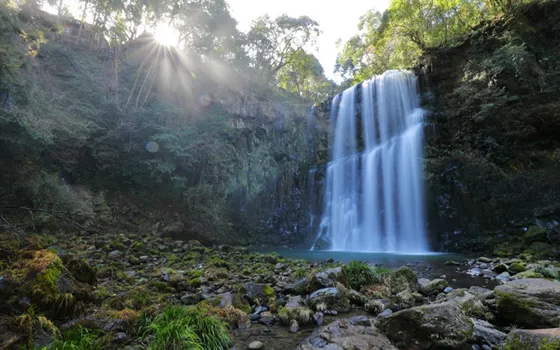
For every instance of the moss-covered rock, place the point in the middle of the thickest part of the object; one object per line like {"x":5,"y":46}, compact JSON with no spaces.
{"x":405,"y":299}
{"x":42,"y":277}
{"x":507,"y":249}
{"x":404,"y":279}
{"x":541,"y":250}
{"x":328,"y":277}
{"x":432,"y":326}
{"x":516,"y":268}
{"x":533,"y":339}
{"x":528,"y":274}
{"x":428,"y":287}
{"x":535,"y":234}
{"x":374,"y":306}
{"x":531,"y":302}
{"x":330,"y":299}
{"x":302,"y":315}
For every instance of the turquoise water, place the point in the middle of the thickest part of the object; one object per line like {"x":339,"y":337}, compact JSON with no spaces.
{"x":389,"y":259}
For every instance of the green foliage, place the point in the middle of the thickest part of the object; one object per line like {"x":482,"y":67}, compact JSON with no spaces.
{"x":179,"y":327}
{"x":304,"y":76}
{"x":77,"y":338}
{"x":362,"y":274}
{"x":277,"y":43}
{"x":268,"y":291}
{"x":397,"y":38}
{"x":300,"y":272}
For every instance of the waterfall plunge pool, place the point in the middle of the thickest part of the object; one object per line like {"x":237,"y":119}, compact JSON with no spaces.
{"x":427,"y":265}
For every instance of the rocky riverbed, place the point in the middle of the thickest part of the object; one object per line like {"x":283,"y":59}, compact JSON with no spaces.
{"x":106,"y":283}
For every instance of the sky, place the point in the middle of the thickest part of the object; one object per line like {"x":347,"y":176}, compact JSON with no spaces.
{"x":337,"y":19}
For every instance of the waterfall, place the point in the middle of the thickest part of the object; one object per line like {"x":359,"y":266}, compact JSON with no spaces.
{"x":374,"y":183}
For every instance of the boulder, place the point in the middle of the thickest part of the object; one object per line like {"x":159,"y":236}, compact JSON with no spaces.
{"x":374,"y":306}
{"x":428,"y":287}
{"x":295,"y":301}
{"x":259,"y":291}
{"x":229,"y":299}
{"x":266,"y":318}
{"x":255,"y":345}
{"x":529,"y":302}
{"x":328,"y":299}
{"x":327,"y":278}
{"x":533,"y":339}
{"x":499,"y":268}
{"x":319,"y":318}
{"x":480,"y":291}
{"x":516,"y":268}
{"x":405,"y":299}
{"x":485,"y":333}
{"x":404,"y":279}
{"x":442,"y":325}
{"x":346,"y":334}
{"x":297,"y":287}
{"x":503,"y":277}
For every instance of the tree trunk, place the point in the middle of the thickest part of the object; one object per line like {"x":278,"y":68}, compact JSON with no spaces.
{"x":60,"y":7}
{"x":82,"y":22}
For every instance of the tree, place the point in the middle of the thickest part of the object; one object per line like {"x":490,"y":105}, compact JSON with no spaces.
{"x":205,"y":27}
{"x":396,"y":38}
{"x":273,"y":44}
{"x":304,"y":76}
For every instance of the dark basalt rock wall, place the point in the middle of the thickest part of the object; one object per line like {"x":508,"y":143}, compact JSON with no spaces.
{"x":493,"y":148}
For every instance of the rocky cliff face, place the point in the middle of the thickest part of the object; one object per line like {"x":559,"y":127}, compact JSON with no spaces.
{"x":493,"y":145}
{"x":275,"y":183}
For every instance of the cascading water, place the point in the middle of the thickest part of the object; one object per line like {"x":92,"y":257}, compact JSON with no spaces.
{"x":374,"y":185}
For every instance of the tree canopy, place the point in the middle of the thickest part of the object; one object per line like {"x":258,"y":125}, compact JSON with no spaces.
{"x":396,"y":38}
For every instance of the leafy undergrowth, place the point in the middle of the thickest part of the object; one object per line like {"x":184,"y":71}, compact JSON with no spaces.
{"x":77,"y":338}
{"x":176,"y":327}
{"x":179,"y":327}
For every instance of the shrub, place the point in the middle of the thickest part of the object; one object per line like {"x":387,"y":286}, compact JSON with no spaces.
{"x":359,"y":274}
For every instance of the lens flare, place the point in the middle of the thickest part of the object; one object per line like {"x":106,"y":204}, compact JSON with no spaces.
{"x":205,"y":100}
{"x":152,"y":147}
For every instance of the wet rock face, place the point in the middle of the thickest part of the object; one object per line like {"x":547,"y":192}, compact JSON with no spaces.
{"x":353,"y":333}
{"x":530,"y":303}
{"x":433,"y":326}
